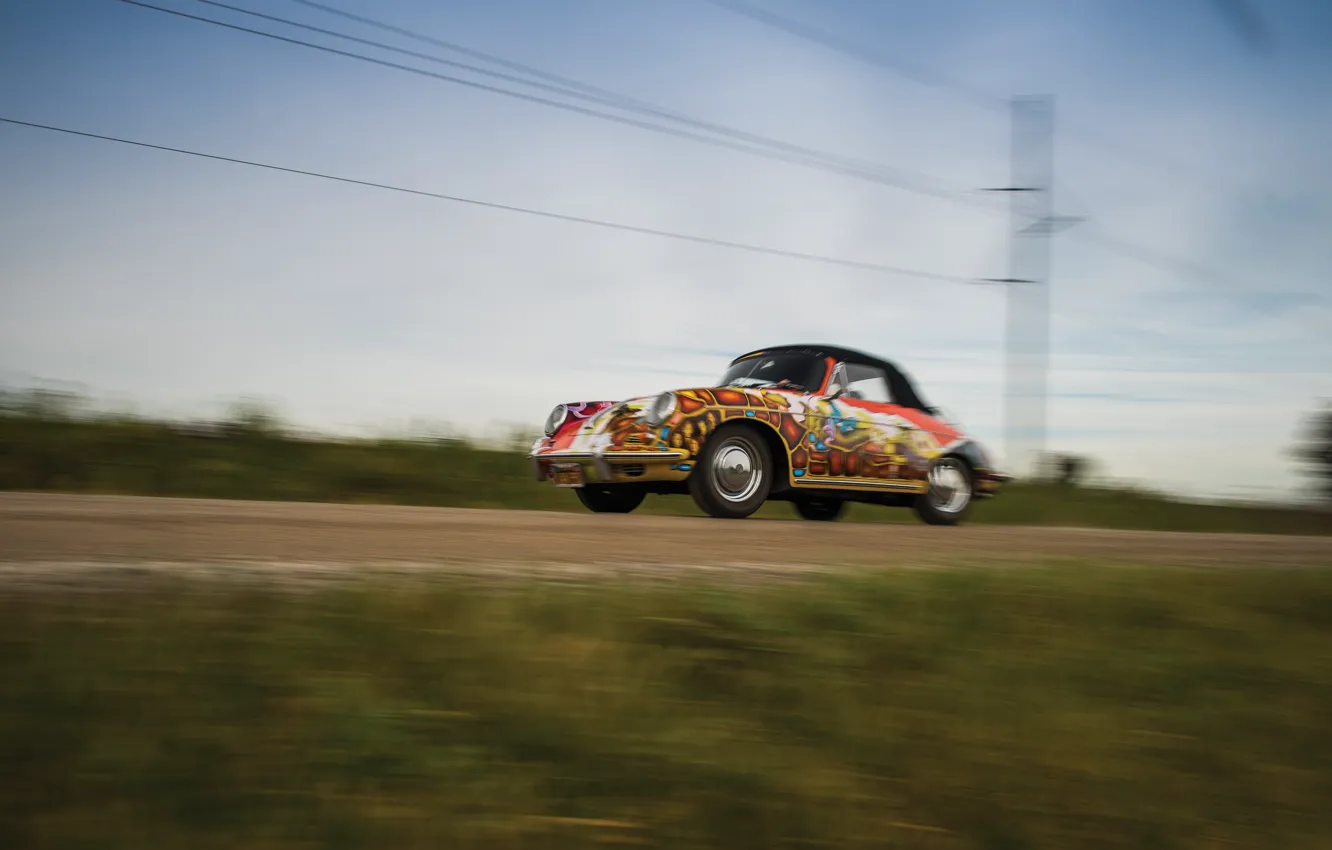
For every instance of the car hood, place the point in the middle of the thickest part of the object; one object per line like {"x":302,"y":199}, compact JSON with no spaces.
{"x":587,"y":421}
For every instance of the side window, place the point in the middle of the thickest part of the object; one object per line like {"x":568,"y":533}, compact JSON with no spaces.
{"x":868,"y":383}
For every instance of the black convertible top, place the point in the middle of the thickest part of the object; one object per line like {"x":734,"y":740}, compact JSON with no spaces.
{"x":904,"y":392}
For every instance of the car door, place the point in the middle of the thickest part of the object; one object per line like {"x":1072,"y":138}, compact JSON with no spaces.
{"x":814,"y":454}
{"x":875,"y":429}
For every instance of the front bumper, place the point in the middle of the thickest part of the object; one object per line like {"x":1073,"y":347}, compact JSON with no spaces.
{"x":615,"y":465}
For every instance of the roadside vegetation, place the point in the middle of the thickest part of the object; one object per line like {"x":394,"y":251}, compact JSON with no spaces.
{"x":45,"y":448}
{"x":1034,"y":707}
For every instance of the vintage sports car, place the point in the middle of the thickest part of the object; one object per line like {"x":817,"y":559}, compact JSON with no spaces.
{"x":814,"y":425}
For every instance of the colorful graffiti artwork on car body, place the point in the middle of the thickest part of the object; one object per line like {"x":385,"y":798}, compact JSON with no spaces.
{"x":586,"y":409}
{"x":835,"y":439}
{"x":817,"y":426}
{"x":826,"y":441}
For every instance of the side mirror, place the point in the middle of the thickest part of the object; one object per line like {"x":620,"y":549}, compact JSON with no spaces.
{"x":836,"y":383}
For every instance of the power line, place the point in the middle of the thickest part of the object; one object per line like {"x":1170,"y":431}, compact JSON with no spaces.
{"x":871,"y":171}
{"x":1093,"y":234}
{"x":920,"y":75}
{"x":1145,"y":256}
{"x":877,"y":176}
{"x":466,"y":51}
{"x":576,"y":88}
{"x":851,"y":48}
{"x":1169,"y":265}
{"x":610,"y":225}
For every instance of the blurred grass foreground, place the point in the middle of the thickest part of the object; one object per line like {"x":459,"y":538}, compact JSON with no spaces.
{"x":1004,"y":709}
{"x":48,"y":444}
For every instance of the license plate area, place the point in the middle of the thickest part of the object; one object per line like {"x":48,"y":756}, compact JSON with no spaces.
{"x":567,"y":475}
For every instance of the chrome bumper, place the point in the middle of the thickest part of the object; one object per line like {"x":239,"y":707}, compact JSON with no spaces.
{"x":601,"y":460}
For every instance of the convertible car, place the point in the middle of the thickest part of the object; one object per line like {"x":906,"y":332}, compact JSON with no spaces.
{"x":814,"y":425}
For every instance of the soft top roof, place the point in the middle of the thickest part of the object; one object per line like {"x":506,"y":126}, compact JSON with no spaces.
{"x":901,"y":387}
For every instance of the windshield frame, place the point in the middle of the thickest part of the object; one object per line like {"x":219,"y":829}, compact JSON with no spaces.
{"x":807,"y":371}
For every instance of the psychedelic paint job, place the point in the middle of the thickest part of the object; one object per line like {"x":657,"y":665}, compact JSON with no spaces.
{"x":818,"y":426}
{"x":825,"y":443}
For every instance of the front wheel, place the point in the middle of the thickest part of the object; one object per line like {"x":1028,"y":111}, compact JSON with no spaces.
{"x":610,"y":500}
{"x":733,"y":475}
{"x":950,"y":494}
{"x":820,"y":510}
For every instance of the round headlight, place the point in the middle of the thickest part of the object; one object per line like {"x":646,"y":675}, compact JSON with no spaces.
{"x":556,"y":419}
{"x":660,"y":409}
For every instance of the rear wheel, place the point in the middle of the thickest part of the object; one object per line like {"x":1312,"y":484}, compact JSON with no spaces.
{"x":820,"y":510}
{"x":950,"y":494}
{"x":733,"y":475}
{"x":610,"y":500}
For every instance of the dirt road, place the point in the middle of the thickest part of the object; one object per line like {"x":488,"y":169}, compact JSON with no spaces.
{"x":58,"y":528}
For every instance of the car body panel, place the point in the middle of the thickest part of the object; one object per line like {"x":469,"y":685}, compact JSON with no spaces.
{"x":829,"y":444}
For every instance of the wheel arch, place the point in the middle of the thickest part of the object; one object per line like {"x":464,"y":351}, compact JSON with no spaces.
{"x":778,"y":452}
{"x":986,"y":480}
{"x":969,"y":453}
{"x":924,"y":505}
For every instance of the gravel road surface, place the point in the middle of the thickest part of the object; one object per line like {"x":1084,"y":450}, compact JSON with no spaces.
{"x":45,"y":529}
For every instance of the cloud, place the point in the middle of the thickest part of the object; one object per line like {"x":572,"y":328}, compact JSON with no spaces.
{"x":182,"y":282}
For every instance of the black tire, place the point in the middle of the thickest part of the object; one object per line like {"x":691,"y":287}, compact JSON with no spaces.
{"x":610,"y":500}
{"x":820,"y":510}
{"x":951,"y":493}
{"x":733,"y":474}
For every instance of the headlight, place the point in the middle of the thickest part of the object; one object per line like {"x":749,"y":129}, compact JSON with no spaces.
{"x":660,"y":409}
{"x":556,"y":419}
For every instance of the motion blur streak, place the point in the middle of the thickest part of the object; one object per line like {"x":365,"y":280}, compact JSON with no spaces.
{"x":382,"y":387}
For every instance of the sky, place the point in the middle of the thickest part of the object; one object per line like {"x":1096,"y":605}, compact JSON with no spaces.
{"x":1191,"y":301}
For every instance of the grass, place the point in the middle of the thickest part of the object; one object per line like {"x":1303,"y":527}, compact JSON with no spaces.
{"x":156,"y":459}
{"x":1007,"y":709}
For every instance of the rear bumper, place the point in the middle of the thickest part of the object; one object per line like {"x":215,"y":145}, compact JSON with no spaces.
{"x":990,"y":482}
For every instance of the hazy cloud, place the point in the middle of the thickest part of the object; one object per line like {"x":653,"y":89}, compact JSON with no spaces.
{"x":181,"y":282}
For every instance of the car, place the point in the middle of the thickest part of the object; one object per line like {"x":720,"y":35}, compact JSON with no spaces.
{"x":818,"y":426}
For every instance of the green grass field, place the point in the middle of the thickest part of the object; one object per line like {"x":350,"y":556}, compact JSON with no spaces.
{"x":152,"y":459}
{"x":1054,"y":706}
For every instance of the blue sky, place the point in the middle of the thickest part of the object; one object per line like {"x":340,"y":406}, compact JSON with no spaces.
{"x":182,"y":284}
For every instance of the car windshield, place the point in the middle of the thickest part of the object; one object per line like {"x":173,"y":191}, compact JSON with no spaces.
{"x":802,"y":371}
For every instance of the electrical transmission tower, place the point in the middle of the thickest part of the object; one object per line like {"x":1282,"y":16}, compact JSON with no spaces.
{"x":1027,"y":331}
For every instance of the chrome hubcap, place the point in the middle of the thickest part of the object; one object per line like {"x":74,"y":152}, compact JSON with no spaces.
{"x":949,"y":490}
{"x":735,"y":471}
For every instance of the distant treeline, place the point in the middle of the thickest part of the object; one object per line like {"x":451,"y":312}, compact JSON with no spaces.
{"x":46,"y":445}
{"x":51,"y":442}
